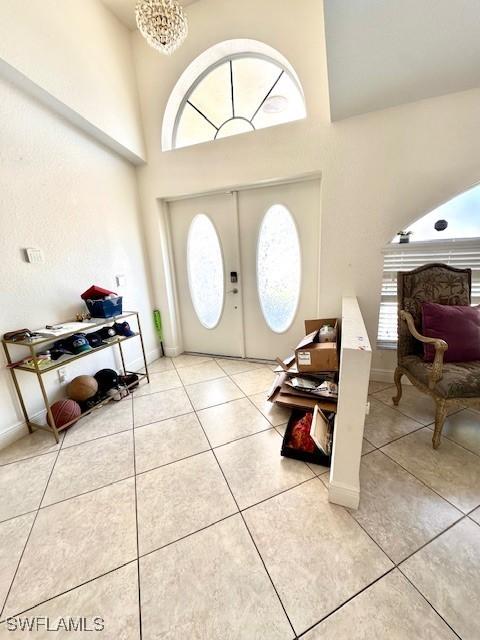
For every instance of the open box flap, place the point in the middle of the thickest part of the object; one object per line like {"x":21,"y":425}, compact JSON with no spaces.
{"x":320,"y":431}
{"x":307,"y":340}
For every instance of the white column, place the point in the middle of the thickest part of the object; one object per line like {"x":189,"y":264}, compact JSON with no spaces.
{"x":355,"y":360}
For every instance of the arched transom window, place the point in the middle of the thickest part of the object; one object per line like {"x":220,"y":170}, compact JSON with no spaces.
{"x":237,"y":94}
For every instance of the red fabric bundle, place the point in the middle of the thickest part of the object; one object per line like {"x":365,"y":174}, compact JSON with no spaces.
{"x":96,"y":293}
{"x":300,"y":438}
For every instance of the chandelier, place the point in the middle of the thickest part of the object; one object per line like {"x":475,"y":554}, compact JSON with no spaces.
{"x":162,"y":23}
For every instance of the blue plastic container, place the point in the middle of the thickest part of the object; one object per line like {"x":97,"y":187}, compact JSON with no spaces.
{"x":105,"y":308}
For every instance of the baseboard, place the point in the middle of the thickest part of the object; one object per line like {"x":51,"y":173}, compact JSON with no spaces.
{"x":173,"y":352}
{"x":137,"y":364}
{"x":20,"y":429}
{"x":381,"y":375}
{"x":386,"y":375}
{"x":345,"y":496}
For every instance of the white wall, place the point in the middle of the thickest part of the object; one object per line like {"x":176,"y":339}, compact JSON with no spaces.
{"x":79,"y":53}
{"x":379,"y":171}
{"x":64,"y":193}
{"x":382,"y":54}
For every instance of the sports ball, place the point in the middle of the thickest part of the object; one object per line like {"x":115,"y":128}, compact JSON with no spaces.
{"x":64,"y":411}
{"x":82,"y":388}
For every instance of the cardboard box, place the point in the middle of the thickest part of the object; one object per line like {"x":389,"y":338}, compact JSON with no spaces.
{"x":312,"y":356}
{"x":280,"y":394}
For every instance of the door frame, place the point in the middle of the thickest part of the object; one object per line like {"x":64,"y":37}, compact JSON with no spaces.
{"x":166,"y":247}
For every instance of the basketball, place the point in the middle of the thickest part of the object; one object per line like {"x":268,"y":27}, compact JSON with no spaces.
{"x":64,"y":411}
{"x":82,"y":388}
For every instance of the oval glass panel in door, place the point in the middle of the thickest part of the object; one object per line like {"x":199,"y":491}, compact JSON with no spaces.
{"x":205,"y":271}
{"x":278,"y":268}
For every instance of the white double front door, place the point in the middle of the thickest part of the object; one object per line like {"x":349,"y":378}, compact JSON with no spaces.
{"x":246,"y":268}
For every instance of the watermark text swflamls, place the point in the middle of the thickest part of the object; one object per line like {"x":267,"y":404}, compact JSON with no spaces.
{"x":66,"y":623}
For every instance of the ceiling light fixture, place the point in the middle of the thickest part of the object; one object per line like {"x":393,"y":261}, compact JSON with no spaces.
{"x":275,"y":104}
{"x":162,"y":23}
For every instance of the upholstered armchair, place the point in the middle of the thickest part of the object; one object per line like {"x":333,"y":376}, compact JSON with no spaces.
{"x":449,"y":383}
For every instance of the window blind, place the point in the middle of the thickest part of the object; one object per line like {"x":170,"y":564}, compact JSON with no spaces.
{"x":405,"y":257}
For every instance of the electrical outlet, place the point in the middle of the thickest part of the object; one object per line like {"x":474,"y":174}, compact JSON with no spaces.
{"x":62,"y":375}
{"x":367,"y":409}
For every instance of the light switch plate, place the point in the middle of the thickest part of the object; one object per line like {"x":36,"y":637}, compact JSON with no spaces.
{"x":34,"y":256}
{"x":120,"y":280}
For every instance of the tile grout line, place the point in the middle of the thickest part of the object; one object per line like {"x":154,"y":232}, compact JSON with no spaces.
{"x":148,"y":424}
{"x":188,"y":535}
{"x":226,"y":518}
{"x":132,"y":429}
{"x":84,"y":493}
{"x":428,"y":426}
{"x":425,"y":426}
{"x":268,"y":573}
{"x":395,"y":408}
{"x":29,"y":533}
{"x":396,"y":566}
{"x":370,"y":536}
{"x":125,"y":400}
{"x":77,"y":586}
{"x":35,"y":455}
{"x":428,"y":602}
{"x":235,"y":513}
{"x":63,"y":446}
{"x":255,"y":503}
{"x":425,"y":544}
{"x":463,"y":515}
{"x":256,"y":547}
{"x":140,"y":629}
{"x":19,"y":515}
{"x":340,"y":606}
{"x":423,"y":482}
{"x":248,"y":435}
{"x":107,"y":435}
{"x":37,"y":511}
{"x":243,"y":518}
{"x":139,"y":473}
{"x":396,"y":438}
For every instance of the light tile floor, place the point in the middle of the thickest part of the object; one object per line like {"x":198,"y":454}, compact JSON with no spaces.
{"x":171,"y":515}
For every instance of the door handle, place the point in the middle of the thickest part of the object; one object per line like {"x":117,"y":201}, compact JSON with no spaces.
{"x":234,"y":290}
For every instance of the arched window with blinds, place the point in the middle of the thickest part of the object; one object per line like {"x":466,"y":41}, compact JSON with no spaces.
{"x":449,"y":234}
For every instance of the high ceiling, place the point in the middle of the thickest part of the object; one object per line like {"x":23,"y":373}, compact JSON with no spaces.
{"x":125,"y":10}
{"x":383,"y":53}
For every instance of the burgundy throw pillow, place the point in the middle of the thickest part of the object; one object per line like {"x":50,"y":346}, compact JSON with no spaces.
{"x":458,"y":326}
